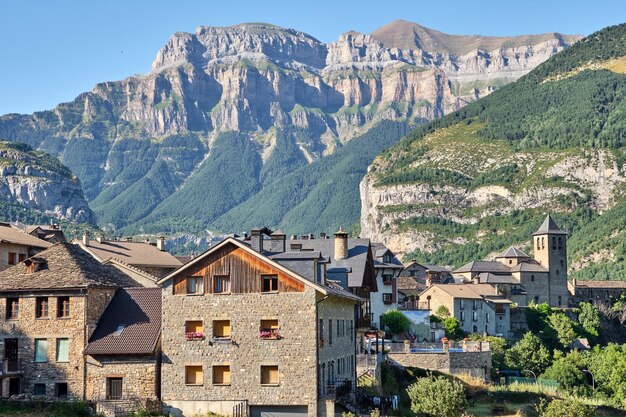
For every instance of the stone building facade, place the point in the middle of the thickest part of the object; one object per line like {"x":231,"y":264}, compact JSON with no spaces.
{"x":241,"y":330}
{"x":596,"y":292}
{"x":478,"y":307}
{"x":49,"y":305}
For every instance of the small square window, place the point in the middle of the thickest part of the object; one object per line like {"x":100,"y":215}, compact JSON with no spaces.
{"x":193,"y":375}
{"x":221,"y":284}
{"x":12,"y":258}
{"x":269,"y":329}
{"x":195,"y":285}
{"x":13,"y":308}
{"x":39,"y":389}
{"x":41,"y":308}
{"x":63,"y":307}
{"x":221,"y":375}
{"x":63,"y":348}
{"x":270,"y":283}
{"x":221,"y":329}
{"x":41,"y":350}
{"x":114,"y":388}
{"x":269,"y":375}
{"x":60,"y":390}
{"x":194,"y":330}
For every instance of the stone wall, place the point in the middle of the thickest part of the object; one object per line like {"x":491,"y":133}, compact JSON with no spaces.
{"x":139,"y":385}
{"x":245,"y":352}
{"x":343,"y":348}
{"x":477,"y":364}
{"x":27,"y":328}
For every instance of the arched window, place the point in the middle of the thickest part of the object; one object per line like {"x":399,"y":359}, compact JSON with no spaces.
{"x":543,"y":244}
{"x":538,"y":247}
{"x":553,"y":243}
{"x":560,"y":243}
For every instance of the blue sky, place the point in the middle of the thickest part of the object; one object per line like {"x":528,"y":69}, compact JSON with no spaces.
{"x":52,"y":51}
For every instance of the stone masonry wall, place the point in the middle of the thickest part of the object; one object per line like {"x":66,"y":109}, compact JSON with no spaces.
{"x":343,"y":348}
{"x":294,"y":353}
{"x":27,"y":328}
{"x":477,"y":364}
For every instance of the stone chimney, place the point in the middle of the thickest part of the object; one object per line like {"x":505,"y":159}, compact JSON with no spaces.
{"x":311,"y":236}
{"x":277,"y":243}
{"x":86,"y":238}
{"x":160,"y":243}
{"x":322,"y":235}
{"x":256,"y":240}
{"x":341,"y":244}
{"x":100,"y":238}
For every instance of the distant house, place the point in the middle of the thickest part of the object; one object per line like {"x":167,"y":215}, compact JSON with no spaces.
{"x":526,"y":280}
{"x":123,"y":356}
{"x":150,"y":258}
{"x":51,"y":233}
{"x":388,"y":268}
{"x":245,"y":335}
{"x":478,"y":307}
{"x":415,"y":278}
{"x":50,"y":305}
{"x":17,"y":245}
{"x":596,"y":292}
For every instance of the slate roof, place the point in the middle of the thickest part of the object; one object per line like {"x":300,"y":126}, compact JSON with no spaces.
{"x":471,"y":291}
{"x":138,"y":312}
{"x":549,"y":226}
{"x":379,"y":250}
{"x":9,"y":234}
{"x":512,"y":252}
{"x":64,"y":266}
{"x":356,"y":260}
{"x":484,"y":266}
{"x":406,"y":283}
{"x":600,"y":284}
{"x":489,"y":278}
{"x":132,"y":253}
{"x":529,"y":266}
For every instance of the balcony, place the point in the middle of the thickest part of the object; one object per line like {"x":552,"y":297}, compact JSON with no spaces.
{"x":11,"y":366}
{"x":364,"y":322}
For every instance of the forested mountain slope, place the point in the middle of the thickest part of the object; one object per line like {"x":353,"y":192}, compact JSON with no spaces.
{"x":465,"y":186}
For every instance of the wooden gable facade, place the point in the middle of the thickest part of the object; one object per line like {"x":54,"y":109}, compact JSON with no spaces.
{"x":243,"y":271}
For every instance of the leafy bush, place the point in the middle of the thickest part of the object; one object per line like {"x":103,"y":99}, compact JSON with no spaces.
{"x":453,"y":328}
{"x":437,"y":397}
{"x":529,"y":353}
{"x":564,"y":408}
{"x":395,"y":321}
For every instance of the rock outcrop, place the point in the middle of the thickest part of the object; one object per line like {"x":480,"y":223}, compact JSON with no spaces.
{"x":38,"y":181}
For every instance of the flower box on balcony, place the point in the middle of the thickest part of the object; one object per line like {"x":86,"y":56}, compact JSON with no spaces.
{"x":194,"y":336}
{"x":273,"y":334}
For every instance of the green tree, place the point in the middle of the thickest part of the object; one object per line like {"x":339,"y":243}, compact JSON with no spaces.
{"x":395,"y":321}
{"x":589,"y":319}
{"x":437,"y":397}
{"x":453,"y":328}
{"x":564,"y":408}
{"x":564,"y":328}
{"x":566,"y":373}
{"x":529,"y":353}
{"x":442,"y":312}
{"x":608,"y":365}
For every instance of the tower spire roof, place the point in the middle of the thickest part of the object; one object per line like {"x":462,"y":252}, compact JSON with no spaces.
{"x":549,"y":227}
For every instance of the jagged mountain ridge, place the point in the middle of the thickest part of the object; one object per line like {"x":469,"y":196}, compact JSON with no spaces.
{"x":464,"y":187}
{"x":147,"y":135}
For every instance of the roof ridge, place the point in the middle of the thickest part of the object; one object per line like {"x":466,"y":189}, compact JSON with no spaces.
{"x":134,"y":268}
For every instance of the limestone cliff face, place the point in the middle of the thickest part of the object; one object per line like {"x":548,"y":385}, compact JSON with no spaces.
{"x":258,"y":79}
{"x":37,"y":181}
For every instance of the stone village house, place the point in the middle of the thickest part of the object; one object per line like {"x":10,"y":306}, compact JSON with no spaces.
{"x":240,"y":332}
{"x":17,"y":245}
{"x":49,"y":306}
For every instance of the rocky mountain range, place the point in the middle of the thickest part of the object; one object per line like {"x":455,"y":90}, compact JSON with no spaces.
{"x":228,"y":113}
{"x":466,"y":186}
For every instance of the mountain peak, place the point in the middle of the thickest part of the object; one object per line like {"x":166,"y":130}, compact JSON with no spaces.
{"x":403,"y":34}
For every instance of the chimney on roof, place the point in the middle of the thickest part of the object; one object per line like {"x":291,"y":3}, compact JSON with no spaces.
{"x":86,"y":238}
{"x":311,"y":236}
{"x":256,"y":240}
{"x":341,"y":244}
{"x":294,"y":237}
{"x":33,"y":265}
{"x":160,"y":243}
{"x":322,"y":235}
{"x":277,"y":242}
{"x":55,"y":226}
{"x":100,"y":238}
{"x":128,"y":239}
{"x":304,"y":237}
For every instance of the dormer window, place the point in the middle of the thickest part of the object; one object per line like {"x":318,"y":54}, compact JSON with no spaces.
{"x":387,"y":258}
{"x":295,"y":247}
{"x":119,"y":329}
